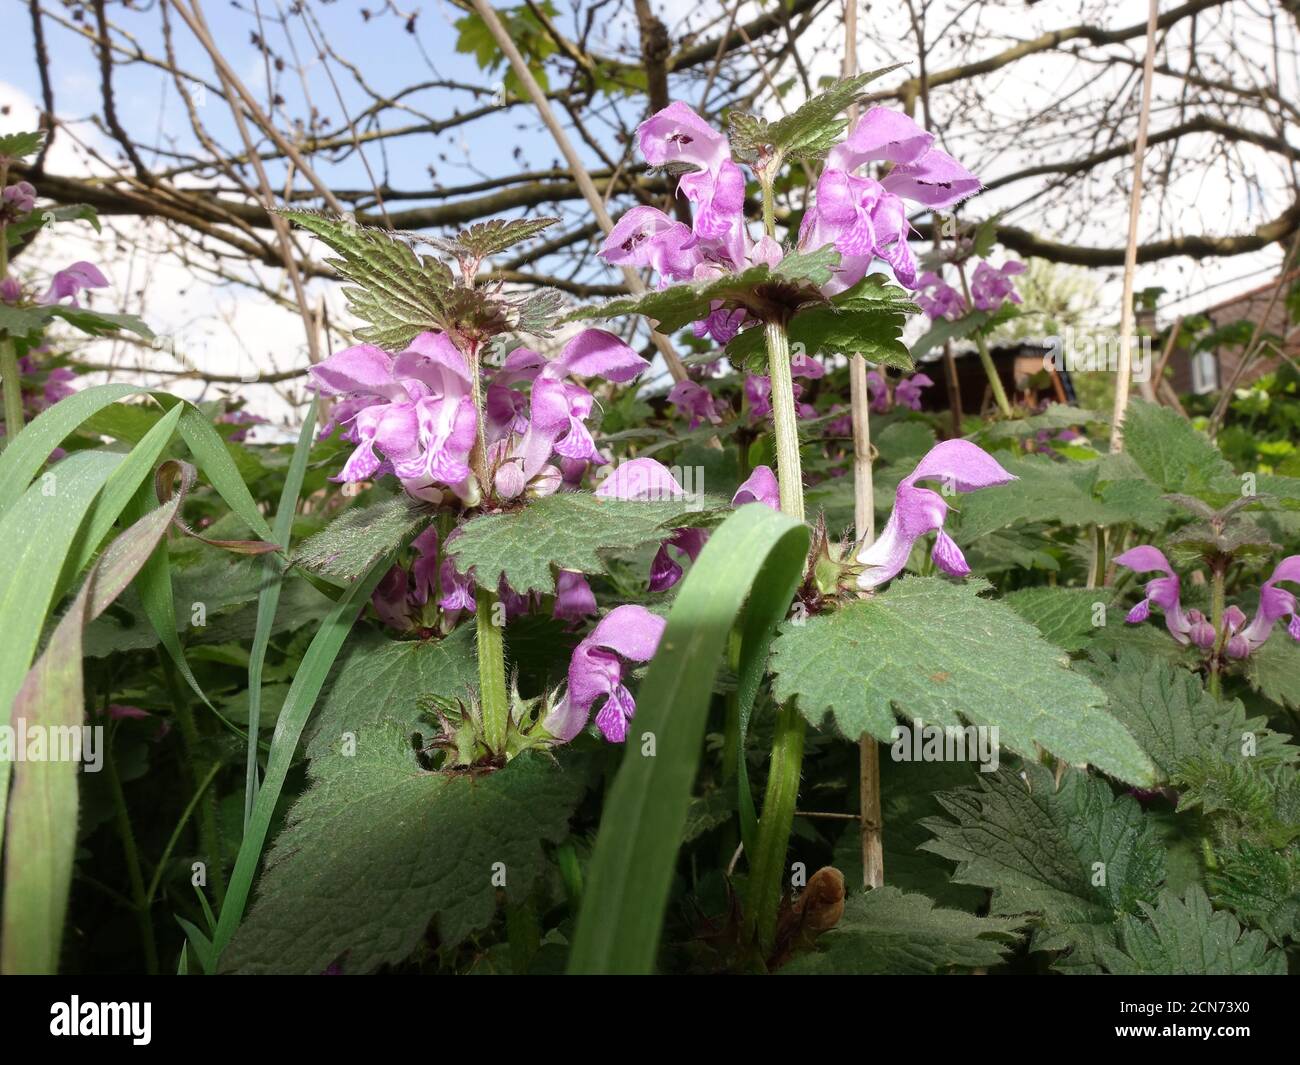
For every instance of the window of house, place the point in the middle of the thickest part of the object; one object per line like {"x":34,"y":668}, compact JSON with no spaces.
{"x":1205,"y":372}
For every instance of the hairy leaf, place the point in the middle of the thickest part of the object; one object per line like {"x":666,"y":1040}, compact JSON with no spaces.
{"x":350,"y":544}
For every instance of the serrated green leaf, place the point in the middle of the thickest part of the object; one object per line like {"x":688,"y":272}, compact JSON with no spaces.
{"x":497,"y":234}
{"x":935,"y":650}
{"x":1077,"y":857}
{"x":15,"y":147}
{"x":808,"y":132}
{"x":1274,"y":670}
{"x":1175,"y":719}
{"x":1171,"y":452}
{"x":1186,"y":937}
{"x":887,"y":933}
{"x":1065,"y":616}
{"x":349,"y":545}
{"x":568,"y":530}
{"x":1056,"y":417}
{"x":377,"y":848}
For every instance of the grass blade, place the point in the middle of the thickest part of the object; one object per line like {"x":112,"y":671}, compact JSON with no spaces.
{"x":42,"y":817}
{"x":268,"y":598}
{"x":758,"y":554}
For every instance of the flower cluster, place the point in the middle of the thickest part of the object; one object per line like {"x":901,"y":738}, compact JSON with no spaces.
{"x":1190,"y":627}
{"x":862,"y":217}
{"x":414,"y":415}
{"x":990,"y":288}
{"x":907,"y":393}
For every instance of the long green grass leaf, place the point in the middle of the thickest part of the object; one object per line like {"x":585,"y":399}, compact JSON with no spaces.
{"x":268,"y":598}
{"x":42,"y":816}
{"x":756,"y":554}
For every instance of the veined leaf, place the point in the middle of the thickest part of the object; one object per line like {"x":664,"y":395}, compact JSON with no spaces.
{"x":349,"y":545}
{"x":934,"y":650}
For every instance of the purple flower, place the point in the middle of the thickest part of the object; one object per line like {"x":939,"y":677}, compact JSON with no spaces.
{"x":17,"y":201}
{"x":865,"y":218}
{"x":646,"y":237}
{"x":240,"y":417}
{"x":399,"y":597}
{"x":694,"y":401}
{"x":640,"y":479}
{"x":990,"y":286}
{"x":938,"y":298}
{"x":664,"y":572}
{"x":626,"y":634}
{"x":1162,"y":591}
{"x":573,"y":596}
{"x":758,"y":394}
{"x":760,"y":487}
{"x":907,"y":393}
{"x":963,"y":467}
{"x":1274,"y":604}
{"x":10,"y":290}
{"x":74,"y":279}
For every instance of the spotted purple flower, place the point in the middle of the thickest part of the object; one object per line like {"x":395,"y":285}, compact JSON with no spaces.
{"x":962,"y":467}
{"x":695,"y":402}
{"x":1163,"y":592}
{"x":938,"y":298}
{"x":596,"y":673}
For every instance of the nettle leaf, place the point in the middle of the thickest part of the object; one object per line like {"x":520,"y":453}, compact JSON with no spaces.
{"x":399,"y":293}
{"x":568,"y":530}
{"x":807,"y":133}
{"x":45,"y":216}
{"x":378,"y":848}
{"x":1274,"y":670}
{"x":866,"y":321}
{"x":1186,"y":937}
{"x":348,"y":546}
{"x":1065,"y":616}
{"x":1078,"y":857}
{"x":943,"y":330}
{"x":1066,"y":493}
{"x":887,"y":932}
{"x":498,"y":234}
{"x":380,"y":682}
{"x":1172,"y":452}
{"x":931,"y":649}
{"x":1175,"y":719}
{"x":15,"y":147}
{"x":769,"y":293}
{"x":1261,"y":886}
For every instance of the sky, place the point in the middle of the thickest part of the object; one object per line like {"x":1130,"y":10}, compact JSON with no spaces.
{"x":228,"y":328}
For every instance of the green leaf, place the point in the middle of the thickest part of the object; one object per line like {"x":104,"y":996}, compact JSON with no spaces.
{"x":42,"y":817}
{"x":1172,"y":452}
{"x":298,"y":704}
{"x":1175,"y":719}
{"x":383,"y":681}
{"x":1274,"y":670}
{"x":15,"y":147}
{"x":23,"y":457}
{"x":1043,"y":851}
{"x":757,"y":554}
{"x":867,"y":322}
{"x":1056,"y":417}
{"x":31,"y":321}
{"x":349,"y":545}
{"x":769,"y":293}
{"x":1186,"y":937}
{"x":1065,"y":616}
{"x":36,"y":535}
{"x":943,"y":330}
{"x":377,"y":848}
{"x":931,"y":649}
{"x":399,"y":293}
{"x":807,"y":133}
{"x":887,"y":933}
{"x":568,"y":530}
{"x":497,"y":234}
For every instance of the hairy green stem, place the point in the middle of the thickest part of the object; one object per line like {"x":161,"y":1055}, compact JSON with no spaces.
{"x":494,"y":699}
{"x":13,"y":389}
{"x":767,"y":864}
